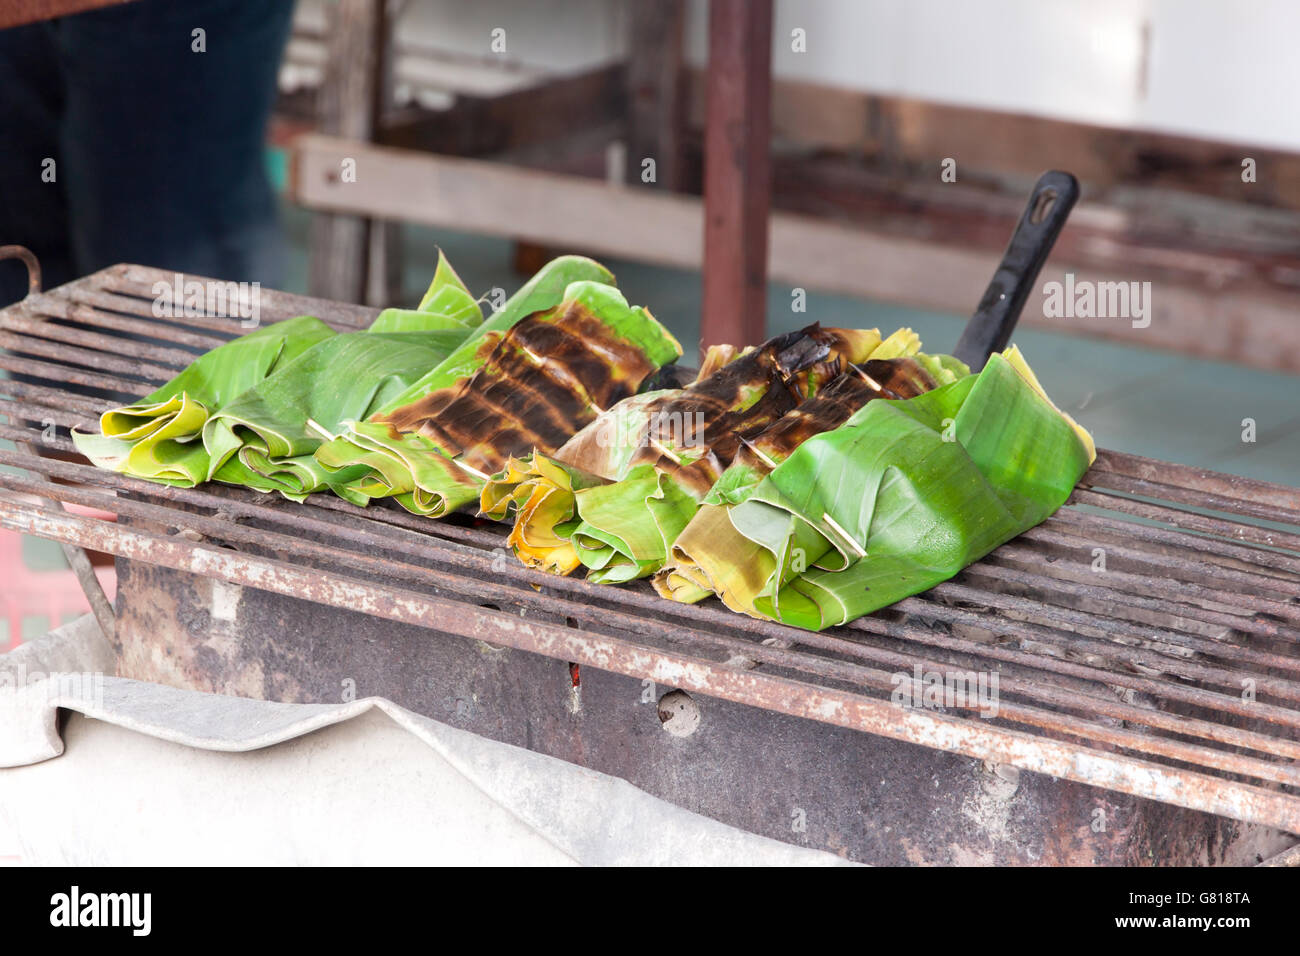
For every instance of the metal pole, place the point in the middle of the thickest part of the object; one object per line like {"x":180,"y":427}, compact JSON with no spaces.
{"x":737,"y":172}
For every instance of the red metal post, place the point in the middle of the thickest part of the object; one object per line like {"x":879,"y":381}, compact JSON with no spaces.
{"x":737,"y":172}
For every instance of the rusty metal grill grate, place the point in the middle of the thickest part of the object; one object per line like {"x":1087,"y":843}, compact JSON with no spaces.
{"x":1172,"y":675}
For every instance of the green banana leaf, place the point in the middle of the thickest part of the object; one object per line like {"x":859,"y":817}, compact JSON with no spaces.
{"x":447,"y":299}
{"x":159,"y":437}
{"x":267,"y":437}
{"x":447,"y":296}
{"x":271,"y":376}
{"x":549,"y":375}
{"x":903,"y":496}
{"x":615,"y":549}
{"x":368,"y":460}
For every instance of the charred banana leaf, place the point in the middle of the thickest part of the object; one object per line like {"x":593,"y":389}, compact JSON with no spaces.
{"x":709,"y":556}
{"x":358,"y":461}
{"x":662,"y":454}
{"x":549,"y":375}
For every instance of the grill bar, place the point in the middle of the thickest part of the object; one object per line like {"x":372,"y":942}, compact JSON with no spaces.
{"x":1190,"y":569}
{"x":1200,"y":482}
{"x":1171,"y":544}
{"x":72,"y":354}
{"x":1188,"y":520}
{"x":44,"y":307}
{"x":1173,"y":675}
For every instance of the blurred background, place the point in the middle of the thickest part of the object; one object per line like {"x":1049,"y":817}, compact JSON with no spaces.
{"x":886,"y":147}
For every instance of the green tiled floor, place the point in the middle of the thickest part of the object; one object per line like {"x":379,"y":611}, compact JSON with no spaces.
{"x":1132,"y":399}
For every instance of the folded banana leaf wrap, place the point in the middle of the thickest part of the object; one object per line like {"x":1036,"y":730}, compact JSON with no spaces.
{"x":547,"y":376}
{"x":267,"y":437}
{"x":626,"y":528}
{"x":696,"y":566}
{"x":365,"y":460}
{"x":633,"y":479}
{"x":539,"y":490}
{"x":159,"y":437}
{"x":900,"y":497}
{"x":239,"y":407}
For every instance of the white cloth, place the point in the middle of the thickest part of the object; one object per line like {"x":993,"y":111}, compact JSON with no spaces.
{"x":150,"y":774}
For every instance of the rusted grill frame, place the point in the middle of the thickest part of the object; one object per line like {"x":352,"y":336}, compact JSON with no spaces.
{"x":1122,"y":680}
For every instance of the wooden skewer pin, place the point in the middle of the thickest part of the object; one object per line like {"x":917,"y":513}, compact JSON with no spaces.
{"x":663,"y":450}
{"x":469,"y":468}
{"x":758,"y":452}
{"x":847,"y":538}
{"x":867,"y":378}
{"x":321,"y":430}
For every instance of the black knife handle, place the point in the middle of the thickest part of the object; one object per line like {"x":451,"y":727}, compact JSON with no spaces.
{"x":989,"y":329}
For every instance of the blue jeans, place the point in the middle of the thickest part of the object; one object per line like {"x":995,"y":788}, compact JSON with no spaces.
{"x":159,"y":151}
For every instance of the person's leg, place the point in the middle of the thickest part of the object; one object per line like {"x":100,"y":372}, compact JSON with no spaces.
{"x":33,"y":210}
{"x":164,"y":142}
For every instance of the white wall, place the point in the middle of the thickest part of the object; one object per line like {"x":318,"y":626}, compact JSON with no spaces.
{"x":1226,"y":70}
{"x":1223,"y":69}
{"x":1028,"y":55}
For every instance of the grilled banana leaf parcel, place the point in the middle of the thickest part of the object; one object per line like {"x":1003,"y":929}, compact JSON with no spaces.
{"x":548,"y":375}
{"x":679,"y":444}
{"x":361,"y":463}
{"x":626,"y":528}
{"x":899,"y":498}
{"x":159,"y":437}
{"x":538,"y":490}
{"x":709,"y":557}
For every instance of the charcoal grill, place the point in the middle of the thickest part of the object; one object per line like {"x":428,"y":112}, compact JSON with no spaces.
{"x":1154,"y":706}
